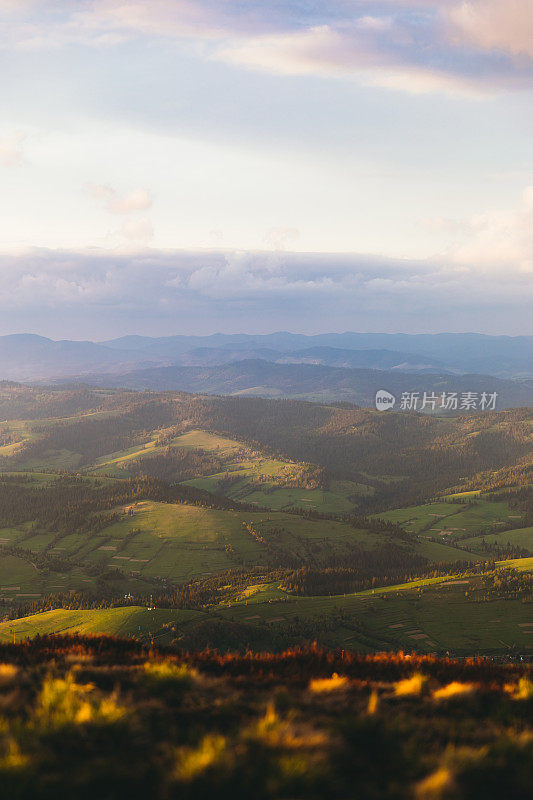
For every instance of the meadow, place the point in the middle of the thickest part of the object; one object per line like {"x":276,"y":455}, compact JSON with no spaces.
{"x":451,"y":521}
{"x":179,"y":542}
{"x":134,"y":622}
{"x":431,"y":615}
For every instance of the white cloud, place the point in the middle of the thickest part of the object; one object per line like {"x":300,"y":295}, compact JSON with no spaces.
{"x":138,"y":230}
{"x":374,"y":23}
{"x":169,"y":18}
{"x":10,"y":6}
{"x":11,"y":152}
{"x":136,"y":200}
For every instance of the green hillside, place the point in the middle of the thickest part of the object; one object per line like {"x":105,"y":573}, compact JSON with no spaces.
{"x":129,"y":621}
{"x":179,"y":541}
{"x":436,"y":614}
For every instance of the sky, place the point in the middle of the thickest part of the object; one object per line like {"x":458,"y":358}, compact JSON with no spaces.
{"x":248,"y":166}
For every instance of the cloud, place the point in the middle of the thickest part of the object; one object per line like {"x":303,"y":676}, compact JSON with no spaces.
{"x":247,"y":275}
{"x":138,"y":230}
{"x":10,"y":6}
{"x":281,"y":238}
{"x":411,"y":45}
{"x":353,"y":52}
{"x":505,"y":25}
{"x":169,"y":18}
{"x":100,"y":293}
{"x":11,"y":152}
{"x":500,"y":239}
{"x":436,"y":48}
{"x":136,"y":200}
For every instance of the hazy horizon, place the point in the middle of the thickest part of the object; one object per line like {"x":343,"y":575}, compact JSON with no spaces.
{"x":274,"y":332}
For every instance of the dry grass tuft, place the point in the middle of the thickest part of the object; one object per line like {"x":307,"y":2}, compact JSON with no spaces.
{"x":8,"y":673}
{"x":453,"y":689}
{"x":333,"y":684}
{"x":410,"y":686}
{"x":193,"y":761}
{"x":435,"y":786}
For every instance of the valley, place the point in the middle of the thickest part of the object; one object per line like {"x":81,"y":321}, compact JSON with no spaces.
{"x":224,"y":522}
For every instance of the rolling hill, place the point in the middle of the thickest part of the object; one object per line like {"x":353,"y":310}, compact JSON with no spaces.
{"x":225,"y":521}
{"x":312,"y":382}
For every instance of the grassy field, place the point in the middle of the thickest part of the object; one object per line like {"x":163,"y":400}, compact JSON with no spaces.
{"x":449,"y":521}
{"x":440,"y":552}
{"x":435,"y":614}
{"x":520,"y":564}
{"x":522,"y":537}
{"x":257,"y":478}
{"x":429,"y":615}
{"x":156,"y":539}
{"x":21,"y":581}
{"x":253,"y":476}
{"x":179,"y":541}
{"x":130,"y":621}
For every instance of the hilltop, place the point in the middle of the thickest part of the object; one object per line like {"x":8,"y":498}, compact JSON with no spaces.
{"x":313,"y":381}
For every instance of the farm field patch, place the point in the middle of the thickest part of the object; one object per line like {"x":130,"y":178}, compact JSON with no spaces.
{"x":128,"y":621}
{"x":521,"y":537}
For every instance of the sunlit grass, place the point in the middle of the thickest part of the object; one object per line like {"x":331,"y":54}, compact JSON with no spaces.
{"x":435,"y":785}
{"x":410,"y":686}
{"x":453,"y":689}
{"x":192,"y":762}
{"x":333,"y":684}
{"x":63,"y":702}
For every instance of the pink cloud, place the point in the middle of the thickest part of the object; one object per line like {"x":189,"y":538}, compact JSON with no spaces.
{"x":137,"y":230}
{"x":410,"y":45}
{"x":11,"y":152}
{"x":350,"y":53}
{"x":505,"y":25}
{"x":136,"y":200}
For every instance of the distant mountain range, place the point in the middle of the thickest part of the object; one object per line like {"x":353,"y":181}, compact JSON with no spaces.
{"x":502,"y":356}
{"x":27,"y":357}
{"x":325,"y":356}
{"x":256,"y":377}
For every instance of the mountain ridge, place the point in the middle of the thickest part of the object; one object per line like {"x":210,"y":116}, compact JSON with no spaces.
{"x":261,"y":378}
{"x":33,"y":357}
